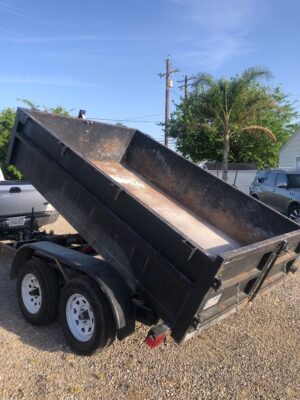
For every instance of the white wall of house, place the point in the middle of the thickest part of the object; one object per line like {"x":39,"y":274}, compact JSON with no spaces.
{"x":241,"y":178}
{"x":289,"y":156}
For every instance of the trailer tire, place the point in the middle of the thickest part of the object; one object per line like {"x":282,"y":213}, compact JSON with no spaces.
{"x":86,"y":317}
{"x":40,"y":308}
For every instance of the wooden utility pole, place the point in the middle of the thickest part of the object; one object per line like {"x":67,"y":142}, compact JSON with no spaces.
{"x":167,"y":99}
{"x":167,"y":106}
{"x":186,"y":84}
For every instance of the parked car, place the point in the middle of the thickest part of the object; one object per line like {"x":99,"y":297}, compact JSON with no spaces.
{"x":22,"y":207}
{"x":279,"y":189}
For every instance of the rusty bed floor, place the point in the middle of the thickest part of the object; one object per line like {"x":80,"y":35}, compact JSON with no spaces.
{"x":199,"y":231}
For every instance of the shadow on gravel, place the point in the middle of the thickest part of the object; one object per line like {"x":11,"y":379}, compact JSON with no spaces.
{"x":48,"y":338}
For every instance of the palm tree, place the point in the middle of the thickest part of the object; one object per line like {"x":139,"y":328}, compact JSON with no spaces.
{"x":232,"y":105}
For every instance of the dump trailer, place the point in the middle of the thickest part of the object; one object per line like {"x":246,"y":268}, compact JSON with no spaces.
{"x":162,"y":240}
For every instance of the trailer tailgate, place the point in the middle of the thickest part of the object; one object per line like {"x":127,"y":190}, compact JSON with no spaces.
{"x":242,"y":275}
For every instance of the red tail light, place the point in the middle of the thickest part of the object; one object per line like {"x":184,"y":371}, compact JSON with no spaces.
{"x":152,"y":341}
{"x":156,"y":335}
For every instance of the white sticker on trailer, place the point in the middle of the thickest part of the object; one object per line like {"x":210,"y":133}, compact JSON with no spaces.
{"x":212,"y":301}
{"x":18,"y":221}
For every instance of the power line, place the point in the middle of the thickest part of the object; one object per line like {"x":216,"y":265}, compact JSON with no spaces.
{"x":132,"y":119}
{"x":177,"y":94}
{"x":147,"y":116}
{"x":123,"y":120}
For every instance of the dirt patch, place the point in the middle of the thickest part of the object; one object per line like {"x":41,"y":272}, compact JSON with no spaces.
{"x":254,"y":354}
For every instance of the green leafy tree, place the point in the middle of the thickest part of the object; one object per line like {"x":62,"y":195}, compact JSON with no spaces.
{"x":7,"y":118}
{"x":281,"y":121}
{"x":54,"y":110}
{"x":29,"y":104}
{"x":237,"y":120}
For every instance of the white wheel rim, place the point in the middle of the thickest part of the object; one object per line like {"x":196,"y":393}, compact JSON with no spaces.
{"x":295,"y":215}
{"x":80,"y":317}
{"x":31,"y":293}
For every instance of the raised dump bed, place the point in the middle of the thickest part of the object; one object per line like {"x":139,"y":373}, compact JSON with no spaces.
{"x":189,"y":246}
{"x":201,"y":232}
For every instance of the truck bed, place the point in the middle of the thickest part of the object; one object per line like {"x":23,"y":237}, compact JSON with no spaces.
{"x":199,"y":231}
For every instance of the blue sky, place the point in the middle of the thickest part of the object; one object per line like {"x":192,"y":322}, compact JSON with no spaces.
{"x":105,"y":56}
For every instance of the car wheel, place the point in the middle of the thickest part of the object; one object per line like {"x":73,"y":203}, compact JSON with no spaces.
{"x":294,"y":213}
{"x":38,"y":292}
{"x":86,"y":317}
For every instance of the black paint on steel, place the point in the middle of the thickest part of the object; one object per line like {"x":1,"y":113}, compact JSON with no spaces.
{"x":265,"y":268}
{"x":160,"y":263}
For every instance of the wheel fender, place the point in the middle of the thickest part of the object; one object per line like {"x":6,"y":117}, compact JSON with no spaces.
{"x":115,"y":289}
{"x":108,"y":279}
{"x":22,"y":255}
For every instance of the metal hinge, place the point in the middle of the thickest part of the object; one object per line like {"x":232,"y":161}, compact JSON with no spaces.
{"x":282,"y":247}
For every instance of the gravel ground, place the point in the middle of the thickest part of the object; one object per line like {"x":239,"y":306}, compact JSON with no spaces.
{"x":253,"y":354}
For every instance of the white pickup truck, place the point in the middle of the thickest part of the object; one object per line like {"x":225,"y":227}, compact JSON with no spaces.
{"x":22,"y":207}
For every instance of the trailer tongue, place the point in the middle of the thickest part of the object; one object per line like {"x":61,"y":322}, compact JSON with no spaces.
{"x":178,"y":244}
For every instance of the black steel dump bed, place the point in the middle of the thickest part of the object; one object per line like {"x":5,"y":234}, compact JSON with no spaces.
{"x":190,"y":245}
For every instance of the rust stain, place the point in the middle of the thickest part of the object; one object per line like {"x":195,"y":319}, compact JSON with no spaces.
{"x":196,"y":229}
{"x":196,"y":195}
{"x":113,"y":146}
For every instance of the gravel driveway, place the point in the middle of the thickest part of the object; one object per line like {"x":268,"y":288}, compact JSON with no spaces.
{"x":253,"y":354}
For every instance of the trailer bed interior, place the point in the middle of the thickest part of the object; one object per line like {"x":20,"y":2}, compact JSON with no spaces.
{"x":202,"y":233}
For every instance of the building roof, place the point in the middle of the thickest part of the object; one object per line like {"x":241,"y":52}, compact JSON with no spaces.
{"x":290,"y":139}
